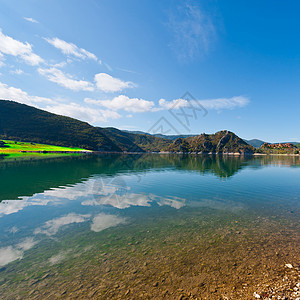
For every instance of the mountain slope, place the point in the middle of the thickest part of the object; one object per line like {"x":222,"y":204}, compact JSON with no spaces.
{"x":255,"y":142}
{"x":220,"y":142}
{"x":163,"y":136}
{"x":26,"y":123}
{"x":135,"y":142}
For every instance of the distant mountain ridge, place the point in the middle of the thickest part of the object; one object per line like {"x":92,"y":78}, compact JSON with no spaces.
{"x":254,"y":142}
{"x":163,"y":136}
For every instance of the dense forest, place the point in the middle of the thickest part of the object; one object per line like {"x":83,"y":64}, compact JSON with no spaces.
{"x":21,"y":122}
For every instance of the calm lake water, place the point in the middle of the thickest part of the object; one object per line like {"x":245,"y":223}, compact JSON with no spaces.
{"x":147,"y":226}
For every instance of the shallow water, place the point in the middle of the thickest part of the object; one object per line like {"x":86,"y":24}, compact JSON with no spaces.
{"x":148,"y":226}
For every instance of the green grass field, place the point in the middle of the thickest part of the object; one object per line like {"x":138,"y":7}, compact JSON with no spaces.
{"x":11,"y":147}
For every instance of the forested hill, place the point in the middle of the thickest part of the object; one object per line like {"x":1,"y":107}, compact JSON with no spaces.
{"x":26,"y":123}
{"x":220,"y":142}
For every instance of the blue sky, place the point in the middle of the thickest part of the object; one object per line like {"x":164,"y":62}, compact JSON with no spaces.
{"x":128,"y":64}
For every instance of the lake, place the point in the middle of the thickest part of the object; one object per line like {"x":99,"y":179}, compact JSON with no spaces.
{"x":150,"y":227}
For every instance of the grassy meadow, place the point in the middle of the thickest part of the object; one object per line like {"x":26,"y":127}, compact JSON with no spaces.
{"x":10,"y":147}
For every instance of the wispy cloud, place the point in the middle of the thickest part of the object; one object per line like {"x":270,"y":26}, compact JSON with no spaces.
{"x":66,"y":80}
{"x":10,"y":46}
{"x":127,"y":71}
{"x":107,"y":83}
{"x":1,"y":60}
{"x":192,"y":30}
{"x":31,"y":20}
{"x":52,"y":227}
{"x":59,"y":65}
{"x":71,"y":49}
{"x":27,"y":243}
{"x":17,"y":72}
{"x":209,"y":104}
{"x":225,"y":103}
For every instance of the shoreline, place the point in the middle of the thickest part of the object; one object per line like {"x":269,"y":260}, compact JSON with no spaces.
{"x":193,"y":153}
{"x":149,"y":152}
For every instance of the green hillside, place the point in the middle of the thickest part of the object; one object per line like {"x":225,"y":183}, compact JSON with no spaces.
{"x":7,"y":146}
{"x":29,"y":124}
{"x":138,"y":141}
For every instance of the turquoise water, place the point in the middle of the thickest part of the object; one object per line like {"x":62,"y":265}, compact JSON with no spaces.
{"x":58,"y":216}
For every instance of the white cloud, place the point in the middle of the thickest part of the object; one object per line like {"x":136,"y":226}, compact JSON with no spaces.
{"x":17,"y":72}
{"x":66,"y":80}
{"x":52,"y":227}
{"x":177,"y":103}
{"x":108,"y":114}
{"x":171,"y":201}
{"x":131,"y":199}
{"x":107,"y":83}
{"x":94,"y":191}
{"x":60,"y":65}
{"x":11,"y":206}
{"x":9,"y":254}
{"x":71,"y":49}
{"x":16,"y":94}
{"x":104,"y":221}
{"x":31,"y":20}
{"x":193,"y":31}
{"x":125,"y":103}
{"x":27,"y":244}
{"x":8,"y":207}
{"x":209,"y":104}
{"x":83,"y":113}
{"x":16,"y":48}
{"x":1,"y":60}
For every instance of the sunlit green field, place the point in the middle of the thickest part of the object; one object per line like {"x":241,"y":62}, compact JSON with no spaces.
{"x":13,"y":147}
